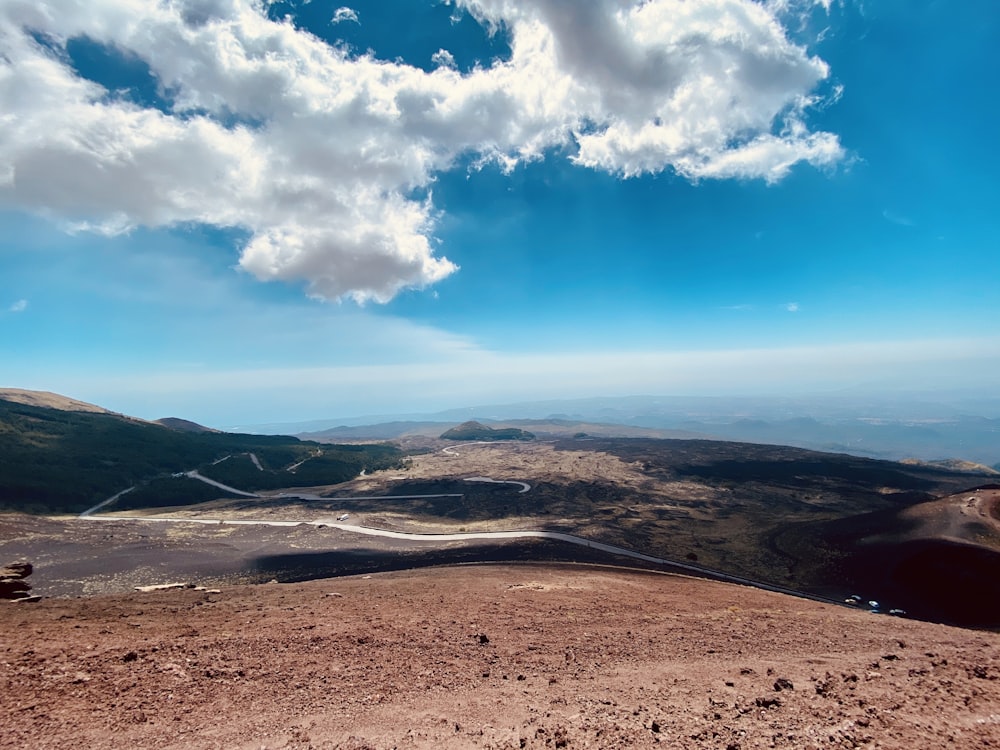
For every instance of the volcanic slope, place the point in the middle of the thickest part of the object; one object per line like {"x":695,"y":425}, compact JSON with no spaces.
{"x":70,"y":458}
{"x":488,"y":657}
{"x":938,"y":559}
{"x":728,"y":507}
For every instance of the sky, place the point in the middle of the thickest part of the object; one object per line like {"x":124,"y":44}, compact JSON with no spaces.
{"x":238,"y":211}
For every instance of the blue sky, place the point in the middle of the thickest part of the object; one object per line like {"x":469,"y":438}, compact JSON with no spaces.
{"x":240,"y":212}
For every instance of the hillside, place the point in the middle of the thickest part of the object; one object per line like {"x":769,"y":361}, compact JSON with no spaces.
{"x":48,"y":400}
{"x":502,"y":657}
{"x":934,"y":557}
{"x":58,"y":460}
{"x":477,"y":431}
{"x":184,"y":425}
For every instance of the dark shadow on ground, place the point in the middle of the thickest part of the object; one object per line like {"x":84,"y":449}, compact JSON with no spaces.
{"x":306,"y":566}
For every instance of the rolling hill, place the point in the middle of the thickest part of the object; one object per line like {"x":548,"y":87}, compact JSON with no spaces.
{"x":473,"y":430}
{"x":67,"y":459}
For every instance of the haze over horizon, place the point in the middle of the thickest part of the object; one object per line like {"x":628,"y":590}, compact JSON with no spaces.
{"x":243,"y":212}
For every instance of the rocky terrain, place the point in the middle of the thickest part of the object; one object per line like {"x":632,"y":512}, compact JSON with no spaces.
{"x":512,"y":656}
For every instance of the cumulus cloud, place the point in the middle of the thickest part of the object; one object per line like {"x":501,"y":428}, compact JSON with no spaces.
{"x":344,"y":14}
{"x":319,"y":153}
{"x":20,"y":306}
{"x":443,"y":58}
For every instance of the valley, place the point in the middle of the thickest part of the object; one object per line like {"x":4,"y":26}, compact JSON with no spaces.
{"x":774,"y":516}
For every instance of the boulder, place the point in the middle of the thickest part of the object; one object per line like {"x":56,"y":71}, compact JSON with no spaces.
{"x":12,"y":583}
{"x":13,"y":588}
{"x":16,"y":570}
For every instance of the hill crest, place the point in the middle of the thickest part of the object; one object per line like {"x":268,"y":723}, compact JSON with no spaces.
{"x":49,"y":400}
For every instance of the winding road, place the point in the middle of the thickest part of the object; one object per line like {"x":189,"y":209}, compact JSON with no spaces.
{"x":612,"y":549}
{"x":446,"y":537}
{"x":525,"y":487}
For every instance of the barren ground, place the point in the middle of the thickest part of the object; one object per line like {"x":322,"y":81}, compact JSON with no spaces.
{"x":488,"y":656}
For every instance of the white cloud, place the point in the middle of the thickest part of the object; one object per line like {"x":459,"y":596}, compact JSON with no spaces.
{"x":327,"y":149}
{"x":792,"y":307}
{"x":344,"y":14}
{"x":443,"y":58}
{"x":20,"y":306}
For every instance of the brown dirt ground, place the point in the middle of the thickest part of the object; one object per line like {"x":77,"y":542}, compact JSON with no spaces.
{"x":503,"y":656}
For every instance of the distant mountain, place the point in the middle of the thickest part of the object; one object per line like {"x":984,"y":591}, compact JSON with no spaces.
{"x":473,"y":430}
{"x":925,"y":426}
{"x":974,"y":439}
{"x":541,"y":428}
{"x":378,"y":431}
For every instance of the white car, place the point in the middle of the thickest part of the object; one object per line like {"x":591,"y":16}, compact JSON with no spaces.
{"x":343,"y":517}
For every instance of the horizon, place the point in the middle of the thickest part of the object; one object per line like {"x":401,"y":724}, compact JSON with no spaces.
{"x":287,"y":211}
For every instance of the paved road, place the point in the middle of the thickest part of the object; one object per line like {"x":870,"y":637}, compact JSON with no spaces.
{"x":220,"y":485}
{"x":474,"y":535}
{"x":525,"y":487}
{"x":450,"y":450}
{"x":453,"y":537}
{"x":104,"y":503}
{"x":293,"y":467}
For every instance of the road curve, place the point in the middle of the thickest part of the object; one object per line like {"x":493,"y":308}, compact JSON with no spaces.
{"x":474,"y":535}
{"x":450,"y":449}
{"x":525,"y":487}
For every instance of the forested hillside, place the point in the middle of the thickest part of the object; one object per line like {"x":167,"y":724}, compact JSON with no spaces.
{"x":66,"y":461}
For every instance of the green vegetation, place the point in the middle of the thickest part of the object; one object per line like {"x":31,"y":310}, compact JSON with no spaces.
{"x":328,"y":464}
{"x":478,"y":431}
{"x":66,"y":461}
{"x":164,"y":492}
